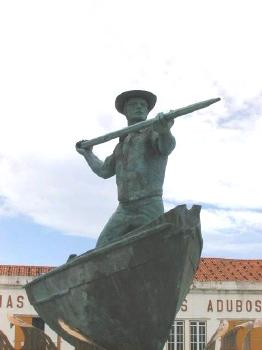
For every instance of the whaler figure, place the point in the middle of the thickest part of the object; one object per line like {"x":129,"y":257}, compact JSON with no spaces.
{"x":139,"y":162}
{"x":132,"y":285}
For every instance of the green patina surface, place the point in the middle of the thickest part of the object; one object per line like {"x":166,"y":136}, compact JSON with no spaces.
{"x":124,"y":294}
{"x":138,"y":162}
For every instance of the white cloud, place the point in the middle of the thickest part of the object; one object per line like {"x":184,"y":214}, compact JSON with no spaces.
{"x":216,"y":165}
{"x":62,"y":194}
{"x":62,"y":67}
{"x":232,"y":233}
{"x":217,"y":220}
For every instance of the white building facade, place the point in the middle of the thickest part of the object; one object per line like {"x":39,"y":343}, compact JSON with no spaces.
{"x":14,"y":302}
{"x":223,"y":289}
{"x":207,"y":304}
{"x":234,"y":294}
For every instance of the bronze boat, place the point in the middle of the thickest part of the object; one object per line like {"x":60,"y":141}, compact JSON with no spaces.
{"x":124,"y":296}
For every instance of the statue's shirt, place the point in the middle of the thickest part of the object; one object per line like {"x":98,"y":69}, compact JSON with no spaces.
{"x":139,"y":165}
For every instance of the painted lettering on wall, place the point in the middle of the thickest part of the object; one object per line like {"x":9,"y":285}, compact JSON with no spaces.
{"x":184,"y":306}
{"x":234,"y":305}
{"x":10,"y":301}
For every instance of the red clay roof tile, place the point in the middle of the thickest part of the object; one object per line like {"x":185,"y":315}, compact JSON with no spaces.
{"x":18,"y":270}
{"x":219,"y":269}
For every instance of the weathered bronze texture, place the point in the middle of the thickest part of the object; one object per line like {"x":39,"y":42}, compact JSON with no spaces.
{"x":139,"y":161}
{"x":124,"y":296}
{"x":145,"y":124}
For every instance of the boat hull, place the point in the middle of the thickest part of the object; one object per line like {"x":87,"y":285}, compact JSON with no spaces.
{"x":124,"y":296}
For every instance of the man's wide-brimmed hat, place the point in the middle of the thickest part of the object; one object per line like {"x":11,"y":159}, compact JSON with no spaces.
{"x":122,"y":98}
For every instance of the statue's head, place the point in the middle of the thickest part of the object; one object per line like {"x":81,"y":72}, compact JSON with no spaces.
{"x":135,"y":105}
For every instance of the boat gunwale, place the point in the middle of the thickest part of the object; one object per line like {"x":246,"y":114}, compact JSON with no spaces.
{"x":67,"y":290}
{"x":94,"y":252}
{"x":127,"y":239}
{"x":176,"y":231}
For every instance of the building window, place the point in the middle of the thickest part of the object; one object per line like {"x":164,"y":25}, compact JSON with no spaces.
{"x":176,"y":336}
{"x":19,"y":334}
{"x":38,"y":323}
{"x":197,"y":335}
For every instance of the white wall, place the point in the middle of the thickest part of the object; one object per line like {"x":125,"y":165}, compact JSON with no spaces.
{"x":214,"y":301}
{"x":207,"y":301}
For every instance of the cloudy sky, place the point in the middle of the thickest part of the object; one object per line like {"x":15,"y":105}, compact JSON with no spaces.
{"x":62,"y":64}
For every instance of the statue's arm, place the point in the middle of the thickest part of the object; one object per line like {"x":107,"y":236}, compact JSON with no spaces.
{"x":104,"y":169}
{"x":166,"y":143}
{"x":162,"y":138}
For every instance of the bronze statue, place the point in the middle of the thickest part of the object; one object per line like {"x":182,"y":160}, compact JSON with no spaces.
{"x":139,"y":162}
{"x":124,"y":294}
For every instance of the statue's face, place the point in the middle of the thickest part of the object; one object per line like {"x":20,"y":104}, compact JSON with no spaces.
{"x":136,"y":110}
